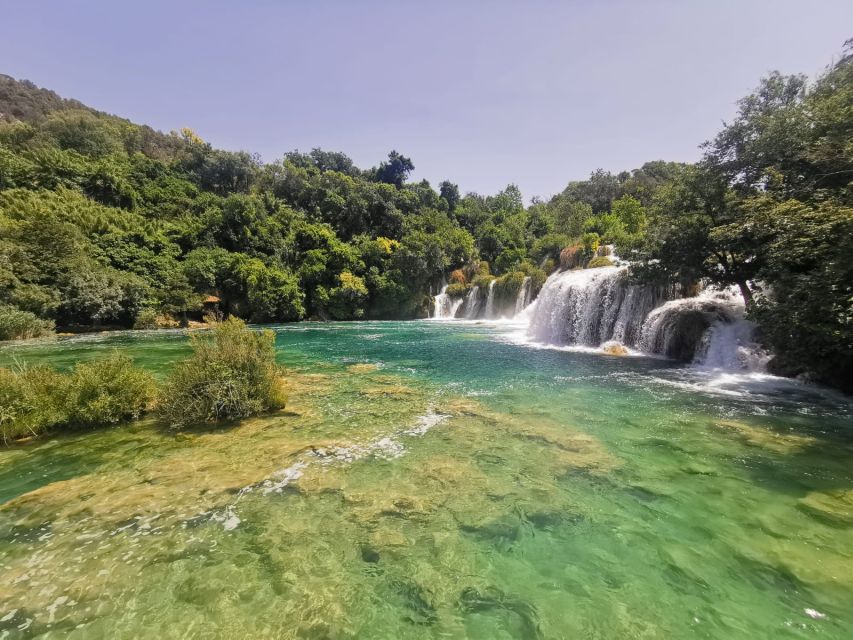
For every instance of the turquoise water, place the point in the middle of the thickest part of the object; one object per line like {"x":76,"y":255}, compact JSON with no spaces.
{"x":439,"y":480}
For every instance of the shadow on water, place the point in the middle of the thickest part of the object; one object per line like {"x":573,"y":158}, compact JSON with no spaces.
{"x":62,"y":457}
{"x":512,"y":614}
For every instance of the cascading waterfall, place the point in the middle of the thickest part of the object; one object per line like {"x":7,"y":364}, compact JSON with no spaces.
{"x":490,"y":301}
{"x":471,"y":305}
{"x":709,"y":329}
{"x":602,"y":308}
{"x":445,"y":306}
{"x":523,"y":298}
{"x":591,"y":307}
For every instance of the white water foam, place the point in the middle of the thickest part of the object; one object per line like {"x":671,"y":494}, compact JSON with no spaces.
{"x":388,"y":447}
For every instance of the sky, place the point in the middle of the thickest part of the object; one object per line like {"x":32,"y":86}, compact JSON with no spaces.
{"x":487,"y":93}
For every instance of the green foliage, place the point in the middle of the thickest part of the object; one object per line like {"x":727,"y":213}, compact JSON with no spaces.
{"x":101,"y":219}
{"x":536,"y":274}
{"x":806,"y":315}
{"x":456,"y":290}
{"x":396,"y":170}
{"x":21,"y":325}
{"x":30,"y":402}
{"x":599,"y":261}
{"x":449,"y":192}
{"x":630,"y":213}
{"x":106,"y":392}
{"x":509,"y":259}
{"x":272,"y":294}
{"x":98,"y":393}
{"x":146,"y":319}
{"x":507,"y":287}
{"x":590,"y":243}
{"x":345,"y":301}
{"x":232,"y":374}
{"x":549,"y":246}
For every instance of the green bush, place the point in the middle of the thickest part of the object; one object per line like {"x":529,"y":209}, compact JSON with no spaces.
{"x":147,"y":319}
{"x":507,"y":288}
{"x":31,"y":401}
{"x":599,"y":261}
{"x":590,"y":242}
{"x":482,"y":281}
{"x":456,"y":290}
{"x":231,"y":374}
{"x":107,"y":391}
{"x":537,"y":275}
{"x":35,"y":399}
{"x":19,"y":325}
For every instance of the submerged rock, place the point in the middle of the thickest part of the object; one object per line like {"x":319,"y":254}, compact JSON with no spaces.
{"x":614,"y":349}
{"x":363,"y":367}
{"x":766,"y":438}
{"x":833,"y":507}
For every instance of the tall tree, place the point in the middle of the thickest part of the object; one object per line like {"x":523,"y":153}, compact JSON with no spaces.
{"x":395,"y":170}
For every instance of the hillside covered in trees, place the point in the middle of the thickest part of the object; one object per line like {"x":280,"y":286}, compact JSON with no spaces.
{"x":106,"y":222}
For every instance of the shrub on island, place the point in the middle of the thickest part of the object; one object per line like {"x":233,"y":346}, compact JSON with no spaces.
{"x":35,"y":399}
{"x":107,"y":391}
{"x":21,"y":325}
{"x":232,"y":374}
{"x":599,"y":261}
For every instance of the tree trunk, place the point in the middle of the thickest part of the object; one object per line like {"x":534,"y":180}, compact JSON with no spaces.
{"x":746,"y":293}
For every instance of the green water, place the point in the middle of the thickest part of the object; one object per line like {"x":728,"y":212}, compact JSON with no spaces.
{"x":438,"y":480}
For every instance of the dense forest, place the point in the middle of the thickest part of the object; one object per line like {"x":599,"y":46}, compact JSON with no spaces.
{"x":104,"y":222}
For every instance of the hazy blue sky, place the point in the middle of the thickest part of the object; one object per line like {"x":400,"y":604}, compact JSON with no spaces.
{"x":483,"y":93}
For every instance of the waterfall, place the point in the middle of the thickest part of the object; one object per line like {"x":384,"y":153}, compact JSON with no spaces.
{"x":479,"y":304}
{"x":441,"y":304}
{"x":709,"y":329}
{"x":490,"y":301}
{"x":523,"y":298}
{"x":445,"y":306}
{"x":591,"y":307}
{"x":471,"y":305}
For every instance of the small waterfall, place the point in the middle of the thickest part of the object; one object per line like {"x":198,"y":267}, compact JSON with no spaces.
{"x":731,"y":345}
{"x":441,"y":304}
{"x":445,"y":306}
{"x":523,"y":298}
{"x":709,"y":329}
{"x":471,"y":305}
{"x":490,"y":301}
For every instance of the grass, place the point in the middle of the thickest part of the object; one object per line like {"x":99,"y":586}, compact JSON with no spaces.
{"x":21,"y":325}
{"x":232,"y":374}
{"x":599,"y":261}
{"x":36,"y":399}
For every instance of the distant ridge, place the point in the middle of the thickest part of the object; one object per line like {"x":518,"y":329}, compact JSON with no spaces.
{"x":22,"y":100}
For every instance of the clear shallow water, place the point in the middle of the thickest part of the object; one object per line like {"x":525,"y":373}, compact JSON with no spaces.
{"x":440,"y":480}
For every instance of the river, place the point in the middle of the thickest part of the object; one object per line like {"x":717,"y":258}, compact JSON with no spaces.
{"x":439,"y":480}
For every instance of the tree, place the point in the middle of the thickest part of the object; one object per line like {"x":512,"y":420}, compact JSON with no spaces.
{"x":698,"y":229}
{"x":90,"y":294}
{"x":630,"y":213}
{"x":601,"y":188}
{"x":570,"y":215}
{"x":395,"y":170}
{"x":449,"y":192}
{"x":766,"y":140}
{"x":806,"y":310}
